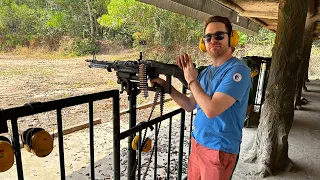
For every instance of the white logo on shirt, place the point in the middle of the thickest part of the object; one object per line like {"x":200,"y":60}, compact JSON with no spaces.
{"x":237,"y":77}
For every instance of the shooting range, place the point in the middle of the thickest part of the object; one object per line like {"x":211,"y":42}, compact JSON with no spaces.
{"x":89,"y":112}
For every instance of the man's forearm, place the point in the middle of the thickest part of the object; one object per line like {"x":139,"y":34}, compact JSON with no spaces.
{"x":202,"y":99}
{"x":182,"y":100}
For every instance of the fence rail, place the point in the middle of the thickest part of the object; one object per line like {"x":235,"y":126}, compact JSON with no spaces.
{"x":13,"y":114}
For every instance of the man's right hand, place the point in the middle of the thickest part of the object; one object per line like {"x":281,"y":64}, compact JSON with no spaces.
{"x":187,"y":103}
{"x":162,"y":83}
{"x":189,"y":71}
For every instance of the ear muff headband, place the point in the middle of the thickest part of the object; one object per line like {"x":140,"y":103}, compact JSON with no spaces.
{"x":233,"y":41}
{"x":6,"y":154}
{"x":27,"y":137}
{"x":38,"y":141}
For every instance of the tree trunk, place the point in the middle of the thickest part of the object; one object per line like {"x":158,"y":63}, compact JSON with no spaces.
{"x":91,"y":20}
{"x":304,"y":64}
{"x":306,"y":76}
{"x":302,"y":73}
{"x":270,"y":149}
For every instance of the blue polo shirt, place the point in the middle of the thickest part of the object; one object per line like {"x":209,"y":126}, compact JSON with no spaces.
{"x":224,"y":131}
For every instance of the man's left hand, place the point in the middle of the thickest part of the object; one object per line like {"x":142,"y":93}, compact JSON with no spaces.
{"x":185,"y":63}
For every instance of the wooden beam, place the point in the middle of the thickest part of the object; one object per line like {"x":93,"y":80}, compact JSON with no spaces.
{"x":315,"y":18}
{"x":274,"y":27}
{"x":259,"y":14}
{"x":316,"y":34}
{"x":238,"y":9}
{"x":316,"y":31}
{"x":71,"y":129}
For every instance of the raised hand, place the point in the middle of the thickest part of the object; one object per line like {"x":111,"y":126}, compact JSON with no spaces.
{"x":185,"y":63}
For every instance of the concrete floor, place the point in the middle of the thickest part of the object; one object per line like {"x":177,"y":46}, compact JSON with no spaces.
{"x":304,"y":142}
{"x":304,"y":150}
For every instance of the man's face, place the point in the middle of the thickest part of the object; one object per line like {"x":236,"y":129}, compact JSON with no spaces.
{"x":217,"y":48}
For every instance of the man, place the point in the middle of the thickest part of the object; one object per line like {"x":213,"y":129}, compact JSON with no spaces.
{"x":220,"y":94}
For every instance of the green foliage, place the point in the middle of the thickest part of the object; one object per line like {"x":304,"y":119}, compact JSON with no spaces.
{"x":259,"y":45}
{"x":242,"y":38}
{"x":125,"y":23}
{"x":18,"y":23}
{"x":118,"y":12}
{"x":42,"y":20}
{"x":145,"y":23}
{"x":56,"y":20}
{"x":85,"y":46}
{"x":265,"y":37}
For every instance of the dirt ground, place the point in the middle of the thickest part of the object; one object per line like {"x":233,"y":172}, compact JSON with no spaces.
{"x":26,"y":80}
{"x":304,"y":145}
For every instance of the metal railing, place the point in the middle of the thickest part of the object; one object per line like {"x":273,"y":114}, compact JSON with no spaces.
{"x":14,"y":113}
{"x":134,"y":160}
{"x":138,"y":129}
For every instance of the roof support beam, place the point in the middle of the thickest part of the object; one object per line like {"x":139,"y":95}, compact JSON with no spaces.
{"x":238,"y":9}
{"x":259,"y":14}
{"x":202,"y":9}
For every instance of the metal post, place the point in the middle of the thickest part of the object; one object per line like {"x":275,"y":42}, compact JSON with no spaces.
{"x":91,"y":134}
{"x":139,"y":155}
{"x":155,"y":152}
{"x":169,"y":148}
{"x":116,"y":137}
{"x":61,"y":149}
{"x":3,"y":125}
{"x":17,"y":151}
{"x":191,"y":122}
{"x":182,"y":121}
{"x":132,"y":122}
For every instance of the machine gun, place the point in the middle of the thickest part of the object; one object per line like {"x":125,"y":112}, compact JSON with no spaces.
{"x":139,"y":71}
{"x":134,"y":74}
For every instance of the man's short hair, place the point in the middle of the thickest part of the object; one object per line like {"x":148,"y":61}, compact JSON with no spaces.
{"x":221,"y":19}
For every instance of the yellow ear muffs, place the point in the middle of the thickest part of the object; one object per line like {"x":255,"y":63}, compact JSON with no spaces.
{"x":146,"y":145}
{"x":234,"y":41}
{"x":6,"y":154}
{"x":234,"y":38}
{"x":37,"y":141}
{"x":254,"y":73}
{"x":202,"y":46}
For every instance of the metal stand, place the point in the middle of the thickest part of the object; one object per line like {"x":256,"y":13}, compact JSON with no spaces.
{"x":132,"y":91}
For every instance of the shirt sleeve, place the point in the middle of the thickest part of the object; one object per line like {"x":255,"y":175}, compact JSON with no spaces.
{"x":235,"y":82}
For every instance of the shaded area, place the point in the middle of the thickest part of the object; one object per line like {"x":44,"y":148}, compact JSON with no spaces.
{"x":304,"y":142}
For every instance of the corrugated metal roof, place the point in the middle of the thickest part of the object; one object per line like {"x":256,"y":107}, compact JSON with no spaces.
{"x":202,"y":9}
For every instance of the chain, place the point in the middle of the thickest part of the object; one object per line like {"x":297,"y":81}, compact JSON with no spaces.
{"x":158,"y":93}
{"x":161,"y":112}
{"x":143,"y":84}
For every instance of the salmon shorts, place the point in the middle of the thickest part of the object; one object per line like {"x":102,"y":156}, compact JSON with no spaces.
{"x":209,"y":164}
